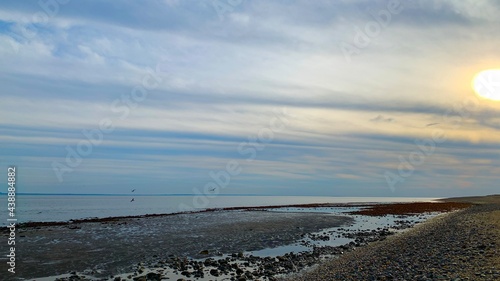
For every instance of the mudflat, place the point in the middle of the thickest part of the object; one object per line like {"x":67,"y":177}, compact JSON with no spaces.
{"x":113,"y":246}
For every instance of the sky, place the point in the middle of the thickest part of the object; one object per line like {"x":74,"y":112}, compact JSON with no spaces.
{"x":320,"y":98}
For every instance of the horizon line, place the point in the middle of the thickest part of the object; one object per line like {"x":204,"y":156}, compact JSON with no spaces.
{"x":191,"y":194}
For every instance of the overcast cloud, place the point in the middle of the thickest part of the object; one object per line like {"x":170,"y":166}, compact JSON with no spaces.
{"x":215,"y":78}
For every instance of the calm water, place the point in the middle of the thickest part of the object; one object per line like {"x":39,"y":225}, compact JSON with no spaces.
{"x":66,"y":207}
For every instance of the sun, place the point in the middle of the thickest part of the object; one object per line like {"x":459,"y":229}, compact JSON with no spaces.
{"x":486,"y":84}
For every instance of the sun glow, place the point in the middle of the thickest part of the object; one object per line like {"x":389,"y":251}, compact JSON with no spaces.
{"x":486,"y":84}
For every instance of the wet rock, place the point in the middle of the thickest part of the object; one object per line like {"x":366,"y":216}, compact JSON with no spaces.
{"x":214,"y":272}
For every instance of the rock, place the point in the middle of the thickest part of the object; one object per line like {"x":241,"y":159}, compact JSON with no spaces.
{"x":153,"y":276}
{"x":214,"y":272}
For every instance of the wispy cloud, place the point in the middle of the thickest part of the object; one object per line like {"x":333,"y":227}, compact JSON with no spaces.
{"x":222,"y":79}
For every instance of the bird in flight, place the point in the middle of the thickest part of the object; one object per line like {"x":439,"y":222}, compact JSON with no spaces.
{"x":133,"y":190}
{"x":432,"y":124}
{"x":132,"y":200}
{"x":212,"y":190}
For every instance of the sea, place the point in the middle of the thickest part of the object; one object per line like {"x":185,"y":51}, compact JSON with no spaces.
{"x":45,"y":208}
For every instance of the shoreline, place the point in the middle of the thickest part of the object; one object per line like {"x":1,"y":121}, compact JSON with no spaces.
{"x":446,"y":207}
{"x":118,"y":218}
{"x":235,"y":232}
{"x":360,"y":251}
{"x":461,"y":245}
{"x":80,"y":208}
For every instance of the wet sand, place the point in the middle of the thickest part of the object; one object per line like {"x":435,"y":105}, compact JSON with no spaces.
{"x":111,"y":247}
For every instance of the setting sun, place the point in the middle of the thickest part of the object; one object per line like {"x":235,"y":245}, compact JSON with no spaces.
{"x":487,"y":84}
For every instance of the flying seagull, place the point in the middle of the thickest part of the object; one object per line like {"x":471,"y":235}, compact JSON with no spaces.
{"x":132,"y":200}
{"x":432,"y":124}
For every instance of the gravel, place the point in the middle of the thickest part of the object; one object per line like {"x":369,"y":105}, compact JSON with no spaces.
{"x":463,"y":245}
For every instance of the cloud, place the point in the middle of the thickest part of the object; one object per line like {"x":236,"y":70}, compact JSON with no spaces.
{"x":221,"y":81}
{"x":381,"y":118}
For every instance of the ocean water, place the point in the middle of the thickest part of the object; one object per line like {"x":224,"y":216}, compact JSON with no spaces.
{"x":66,"y":207}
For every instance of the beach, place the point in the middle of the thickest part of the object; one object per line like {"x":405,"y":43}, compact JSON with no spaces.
{"x":232,"y":140}
{"x":463,"y":245}
{"x":299,"y":242}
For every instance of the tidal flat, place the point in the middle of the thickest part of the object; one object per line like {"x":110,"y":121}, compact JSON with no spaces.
{"x":261,"y":243}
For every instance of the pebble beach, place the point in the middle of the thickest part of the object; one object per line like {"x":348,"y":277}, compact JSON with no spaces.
{"x":462,"y":245}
